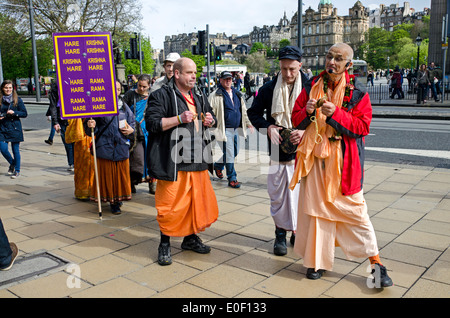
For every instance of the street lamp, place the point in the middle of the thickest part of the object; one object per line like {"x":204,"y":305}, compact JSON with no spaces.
{"x":317,"y":63}
{"x":388,"y":71}
{"x":419,"y":92}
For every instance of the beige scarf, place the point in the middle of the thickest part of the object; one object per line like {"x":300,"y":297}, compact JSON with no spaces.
{"x":283,"y":100}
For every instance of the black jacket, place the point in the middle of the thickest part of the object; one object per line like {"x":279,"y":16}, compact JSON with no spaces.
{"x":179,"y":148}
{"x":11,"y":126}
{"x":260,"y":113}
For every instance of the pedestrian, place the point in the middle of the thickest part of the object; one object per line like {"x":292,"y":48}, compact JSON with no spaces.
{"x":438,"y":77}
{"x":8,"y":250}
{"x":60,"y":124}
{"x":423,"y":83}
{"x":171,"y":58}
{"x":370,"y":78}
{"x":276,"y":99}
{"x":12,"y":109}
{"x":137,"y":101}
{"x":335,"y":112}
{"x":238,"y":82}
{"x":112,"y":149}
{"x":178,"y":116}
{"x":396,"y":84}
{"x":247,"y":85}
{"x":433,"y":80}
{"x":229,"y":107}
{"x":49,"y":140}
{"x":83,"y":161}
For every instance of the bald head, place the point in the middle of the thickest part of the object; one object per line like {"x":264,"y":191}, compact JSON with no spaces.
{"x":185,"y":72}
{"x":346,"y":50}
{"x":338,"y":59}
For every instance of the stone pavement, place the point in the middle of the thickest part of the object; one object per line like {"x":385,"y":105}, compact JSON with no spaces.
{"x":116,"y":257}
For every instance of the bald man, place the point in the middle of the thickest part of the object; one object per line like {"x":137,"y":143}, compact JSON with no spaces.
{"x":335,"y":112}
{"x":178,"y":117}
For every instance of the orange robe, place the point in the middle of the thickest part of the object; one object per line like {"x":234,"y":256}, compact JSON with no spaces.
{"x":186,"y":206}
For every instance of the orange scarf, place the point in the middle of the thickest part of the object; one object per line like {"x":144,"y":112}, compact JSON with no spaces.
{"x":315,"y":142}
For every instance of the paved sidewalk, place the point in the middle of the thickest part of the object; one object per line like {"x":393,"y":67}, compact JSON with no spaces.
{"x":116,"y":257}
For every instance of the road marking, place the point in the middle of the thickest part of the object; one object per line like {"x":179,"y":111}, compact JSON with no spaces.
{"x":414,"y":152}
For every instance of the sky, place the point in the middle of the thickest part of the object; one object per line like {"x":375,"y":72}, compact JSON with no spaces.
{"x":172,"y":17}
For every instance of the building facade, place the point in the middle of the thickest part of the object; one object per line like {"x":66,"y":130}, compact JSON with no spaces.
{"x":387,"y":17}
{"x":271,"y":36}
{"x":324,"y":27}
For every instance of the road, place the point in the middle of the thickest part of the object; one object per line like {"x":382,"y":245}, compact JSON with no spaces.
{"x":405,"y":141}
{"x":409,"y":141}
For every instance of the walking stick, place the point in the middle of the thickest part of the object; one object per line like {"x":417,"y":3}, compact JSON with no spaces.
{"x":96,"y":174}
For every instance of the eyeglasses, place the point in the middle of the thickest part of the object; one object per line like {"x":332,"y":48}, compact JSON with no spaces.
{"x":337,"y":59}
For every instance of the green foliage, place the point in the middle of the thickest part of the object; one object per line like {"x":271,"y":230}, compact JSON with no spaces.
{"x":399,"y":45}
{"x":133,"y":66}
{"x":198,"y":59}
{"x":284,"y":43}
{"x":256,"y":47}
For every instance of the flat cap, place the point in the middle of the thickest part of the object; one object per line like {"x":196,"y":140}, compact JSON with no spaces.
{"x":290,"y":52}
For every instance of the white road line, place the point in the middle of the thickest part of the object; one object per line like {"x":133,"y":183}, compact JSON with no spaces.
{"x":414,"y":152}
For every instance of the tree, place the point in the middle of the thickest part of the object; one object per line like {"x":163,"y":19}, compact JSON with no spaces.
{"x":257,"y":47}
{"x":257,"y":63}
{"x":16,"y":51}
{"x":198,"y":59}
{"x":61,"y":16}
{"x":284,"y":43}
{"x":133,"y":66}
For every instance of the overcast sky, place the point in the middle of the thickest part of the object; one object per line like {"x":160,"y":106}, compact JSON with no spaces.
{"x":171,"y":17}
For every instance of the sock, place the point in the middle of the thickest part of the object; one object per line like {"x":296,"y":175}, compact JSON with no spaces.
{"x":165,"y":238}
{"x":187,"y":238}
{"x":375,"y":259}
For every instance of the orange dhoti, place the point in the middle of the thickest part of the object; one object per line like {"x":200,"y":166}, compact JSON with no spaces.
{"x":323,"y":225}
{"x":186,"y":206}
{"x":114,"y":181}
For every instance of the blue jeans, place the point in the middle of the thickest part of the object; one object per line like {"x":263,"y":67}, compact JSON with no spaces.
{"x":5,"y":249}
{"x":16,"y":152}
{"x":69,"y":147}
{"x":52,"y":132}
{"x":230,"y":150}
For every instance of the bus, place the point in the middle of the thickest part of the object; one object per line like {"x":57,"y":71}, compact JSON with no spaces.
{"x":359,"y":69}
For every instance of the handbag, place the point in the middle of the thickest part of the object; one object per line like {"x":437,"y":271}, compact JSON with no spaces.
{"x":286,"y":145}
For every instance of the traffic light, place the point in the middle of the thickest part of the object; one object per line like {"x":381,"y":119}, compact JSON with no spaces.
{"x":134,"y":53}
{"x":201,"y":45}
{"x":217,"y":54}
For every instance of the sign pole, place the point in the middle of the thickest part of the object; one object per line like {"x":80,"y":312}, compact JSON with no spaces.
{"x":96,"y":175}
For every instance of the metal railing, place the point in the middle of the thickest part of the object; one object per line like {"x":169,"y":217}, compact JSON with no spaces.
{"x":382,"y":92}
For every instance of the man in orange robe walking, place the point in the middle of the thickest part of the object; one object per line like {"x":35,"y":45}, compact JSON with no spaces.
{"x":179,"y":153}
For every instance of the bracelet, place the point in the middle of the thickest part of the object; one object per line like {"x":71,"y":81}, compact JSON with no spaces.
{"x":179,"y":119}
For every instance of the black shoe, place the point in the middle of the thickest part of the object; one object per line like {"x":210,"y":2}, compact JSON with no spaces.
{"x":279,"y":247}
{"x":381,"y":278}
{"x":194,"y":243}
{"x":115,"y":208}
{"x":48,"y":141}
{"x":11,"y":170}
{"x":312,"y":274}
{"x":292,"y":240}
{"x":133,"y":188}
{"x":164,"y":256}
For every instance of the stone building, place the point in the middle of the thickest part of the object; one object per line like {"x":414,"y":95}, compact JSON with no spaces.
{"x":324,"y":27}
{"x":388,"y":17}
{"x":271,"y":35}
